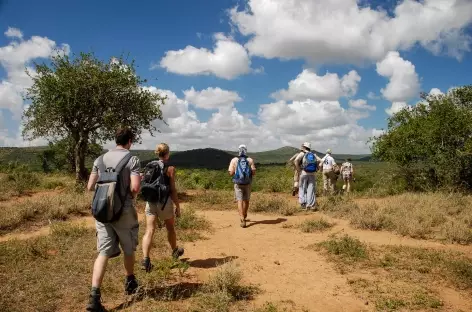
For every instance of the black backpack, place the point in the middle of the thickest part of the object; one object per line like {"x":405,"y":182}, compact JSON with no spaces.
{"x":155,"y":185}
{"x":108,"y":202}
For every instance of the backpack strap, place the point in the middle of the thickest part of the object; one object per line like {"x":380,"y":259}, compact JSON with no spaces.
{"x":101,"y":164}
{"x":123,"y":162}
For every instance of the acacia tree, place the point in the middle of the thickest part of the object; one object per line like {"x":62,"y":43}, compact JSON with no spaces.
{"x":432,"y":141}
{"x":85,"y":99}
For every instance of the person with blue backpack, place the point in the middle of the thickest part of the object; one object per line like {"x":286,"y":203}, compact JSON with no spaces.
{"x":242,"y":169}
{"x":306,"y":164}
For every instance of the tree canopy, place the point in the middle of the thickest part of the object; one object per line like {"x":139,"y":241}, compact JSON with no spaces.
{"x":84,"y":100}
{"x":432,"y":141}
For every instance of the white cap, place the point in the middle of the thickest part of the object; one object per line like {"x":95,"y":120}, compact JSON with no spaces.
{"x":242,"y":149}
{"x":307,"y":145}
{"x":328,"y":151}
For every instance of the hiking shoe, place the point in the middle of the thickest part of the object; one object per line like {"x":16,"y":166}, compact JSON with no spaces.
{"x":243,"y":223}
{"x":131,"y":285}
{"x":303,"y":206}
{"x":177,"y":252}
{"x":95,"y":304}
{"x":146,"y":265}
{"x":294,"y":191}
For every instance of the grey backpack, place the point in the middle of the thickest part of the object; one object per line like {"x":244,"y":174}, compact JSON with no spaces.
{"x":107,"y":204}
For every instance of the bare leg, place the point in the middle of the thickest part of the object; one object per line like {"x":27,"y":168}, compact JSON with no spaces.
{"x":245,"y":208}
{"x":147,"y":238}
{"x":241,"y":209}
{"x":129,"y":264}
{"x":171,"y":234}
{"x":99,"y":269}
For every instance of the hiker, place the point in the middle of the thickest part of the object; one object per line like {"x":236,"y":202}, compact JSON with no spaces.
{"x":329,"y":175}
{"x":242,"y":169}
{"x":161,"y":208}
{"x":117,"y":226}
{"x":306,"y":164}
{"x":296,"y":173}
{"x":347,"y":170}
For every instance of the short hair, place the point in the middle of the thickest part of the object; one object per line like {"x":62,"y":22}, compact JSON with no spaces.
{"x":162,"y":150}
{"x":123,"y":136}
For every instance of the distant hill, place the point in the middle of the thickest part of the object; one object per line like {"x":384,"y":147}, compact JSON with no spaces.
{"x":210,"y":158}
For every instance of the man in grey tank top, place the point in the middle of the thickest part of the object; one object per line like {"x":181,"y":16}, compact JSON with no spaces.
{"x":123,"y":231}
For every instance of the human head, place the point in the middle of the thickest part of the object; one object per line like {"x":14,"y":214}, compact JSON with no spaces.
{"x":328,"y":151}
{"x":242,"y":150}
{"x":349,"y":159}
{"x":162,"y":151}
{"x":306,"y":146}
{"x":124,"y":137}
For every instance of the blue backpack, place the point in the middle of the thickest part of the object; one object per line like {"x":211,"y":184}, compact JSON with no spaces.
{"x":243,"y":174}
{"x":309,"y":163}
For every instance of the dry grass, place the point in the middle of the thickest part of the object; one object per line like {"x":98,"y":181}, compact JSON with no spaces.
{"x":399,"y":277}
{"x":21,"y":183}
{"x":39,"y":209}
{"x":439,"y":216}
{"x":315,"y":225}
{"x":222,"y":289}
{"x":270,"y":203}
{"x":53,"y":272}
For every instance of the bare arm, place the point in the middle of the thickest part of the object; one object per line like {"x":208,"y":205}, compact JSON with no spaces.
{"x":135,"y":184}
{"x":173,"y":190}
{"x":232,"y":168}
{"x":91,"y":182}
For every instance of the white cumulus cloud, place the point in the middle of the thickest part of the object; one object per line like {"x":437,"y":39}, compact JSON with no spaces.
{"x":308,"y":85}
{"x":12,"y":32}
{"x":403,"y":82}
{"x":361,"y":104}
{"x":227,"y":60}
{"x":344,"y":31}
{"x":211,"y":98}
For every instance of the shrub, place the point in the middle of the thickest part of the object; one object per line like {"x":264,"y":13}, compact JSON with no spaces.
{"x":317,"y":225}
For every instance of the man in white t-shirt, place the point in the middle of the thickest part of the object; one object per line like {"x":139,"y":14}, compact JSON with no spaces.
{"x":329,"y":177}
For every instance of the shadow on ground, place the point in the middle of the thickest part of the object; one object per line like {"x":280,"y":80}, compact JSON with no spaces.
{"x":210,"y":262}
{"x":175,"y":292}
{"x":273,"y":221}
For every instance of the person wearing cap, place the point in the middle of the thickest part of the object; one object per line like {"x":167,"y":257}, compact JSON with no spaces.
{"x":307,"y":180}
{"x":347,"y":170}
{"x":242,"y":184}
{"x":329,"y":177}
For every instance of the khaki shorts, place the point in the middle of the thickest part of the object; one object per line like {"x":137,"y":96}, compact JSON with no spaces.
{"x":163,"y":213}
{"x":123,"y":232}
{"x":242,"y":192}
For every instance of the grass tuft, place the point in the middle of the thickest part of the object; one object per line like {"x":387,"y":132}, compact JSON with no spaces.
{"x":316,"y":225}
{"x":346,"y":248}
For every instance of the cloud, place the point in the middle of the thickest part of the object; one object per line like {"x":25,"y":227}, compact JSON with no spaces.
{"x":13,"y":33}
{"x":372,"y":96}
{"x":403,"y":82}
{"x":211,"y":98}
{"x":396,"y":107}
{"x":228,"y":60}
{"x":330,"y":87}
{"x":435,"y":91}
{"x":361,"y":104}
{"x":324,"y":123}
{"x":15,"y":58}
{"x":348,"y":32}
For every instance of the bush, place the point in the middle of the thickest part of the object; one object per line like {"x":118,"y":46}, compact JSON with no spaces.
{"x":318,"y":225}
{"x":347,"y":248}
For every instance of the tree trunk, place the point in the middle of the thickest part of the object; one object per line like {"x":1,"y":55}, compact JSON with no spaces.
{"x":81,"y":173}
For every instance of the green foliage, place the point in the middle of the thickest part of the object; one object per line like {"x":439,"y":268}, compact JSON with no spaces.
{"x":432,"y":141}
{"x":85,"y":99}
{"x":347,"y":248}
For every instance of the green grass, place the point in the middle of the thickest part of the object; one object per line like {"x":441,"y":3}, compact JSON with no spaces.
{"x":346,"y":248}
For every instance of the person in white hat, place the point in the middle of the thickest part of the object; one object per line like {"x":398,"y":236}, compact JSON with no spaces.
{"x":329,"y":177}
{"x":242,"y":169}
{"x":306,"y":164}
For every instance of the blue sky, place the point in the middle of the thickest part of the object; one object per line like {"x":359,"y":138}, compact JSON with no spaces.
{"x":264,"y":45}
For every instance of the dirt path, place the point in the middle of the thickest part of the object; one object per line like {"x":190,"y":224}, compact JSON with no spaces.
{"x":274,"y":258}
